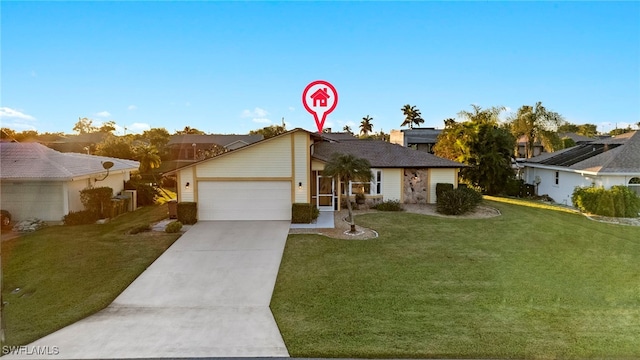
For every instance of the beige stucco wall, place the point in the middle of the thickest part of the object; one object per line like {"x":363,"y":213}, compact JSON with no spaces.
{"x":392,"y":184}
{"x":439,"y":176}
{"x":397,"y":137}
{"x":271,"y":158}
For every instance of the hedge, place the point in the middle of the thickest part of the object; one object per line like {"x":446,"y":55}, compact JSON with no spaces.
{"x":97,"y":199}
{"x":442,"y":187}
{"x":458,"y":201}
{"x":83,"y":217}
{"x":303,"y":213}
{"x":619,"y":201}
{"x":173,"y":227}
{"x":187,"y":212}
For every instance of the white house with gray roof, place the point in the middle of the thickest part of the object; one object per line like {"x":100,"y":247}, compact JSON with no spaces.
{"x":36,"y":181}
{"x":602,"y":163}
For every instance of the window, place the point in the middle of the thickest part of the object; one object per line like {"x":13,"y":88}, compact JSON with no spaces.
{"x":374,"y":187}
{"x":557,"y":177}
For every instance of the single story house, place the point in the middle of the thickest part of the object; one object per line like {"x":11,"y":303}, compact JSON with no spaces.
{"x":603,"y":163}
{"x":36,"y":181}
{"x":260,"y":181}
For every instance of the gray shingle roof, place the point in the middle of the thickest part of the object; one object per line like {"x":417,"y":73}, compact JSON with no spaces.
{"x":620,"y":154}
{"x":222,"y":140}
{"x":382,"y":154}
{"x":339,"y":136}
{"x":33,"y":161}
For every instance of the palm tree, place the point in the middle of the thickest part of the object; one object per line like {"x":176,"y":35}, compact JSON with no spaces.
{"x":347,"y":128}
{"x":536,"y":123}
{"x":346,"y":168}
{"x":147,"y":156}
{"x":366,"y":126}
{"x":411,"y":116}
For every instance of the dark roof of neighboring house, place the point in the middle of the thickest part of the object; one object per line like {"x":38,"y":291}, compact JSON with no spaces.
{"x":382,"y":154}
{"x":620,"y":154}
{"x":33,"y":161}
{"x":222,"y":140}
{"x":421,"y":135}
{"x":339,"y":136}
{"x":88,"y":138}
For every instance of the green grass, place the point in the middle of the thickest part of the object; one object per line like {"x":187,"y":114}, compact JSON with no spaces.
{"x":66,"y":273}
{"x":532,"y":283}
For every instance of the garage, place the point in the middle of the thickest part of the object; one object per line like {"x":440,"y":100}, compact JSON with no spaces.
{"x":244,"y":200}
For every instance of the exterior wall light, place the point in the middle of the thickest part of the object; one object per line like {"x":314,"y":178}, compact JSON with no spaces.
{"x":186,"y":186}
{"x":300,"y":185}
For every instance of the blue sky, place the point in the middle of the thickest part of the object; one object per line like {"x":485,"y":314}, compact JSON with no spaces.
{"x":230,"y":67}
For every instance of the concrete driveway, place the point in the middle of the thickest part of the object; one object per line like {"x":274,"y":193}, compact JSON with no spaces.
{"x":207,"y":296}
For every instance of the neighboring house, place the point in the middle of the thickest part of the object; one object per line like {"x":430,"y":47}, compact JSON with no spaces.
{"x":538,"y":148}
{"x":36,"y":181}
{"x":261,"y":181}
{"x":187,"y":146}
{"x":578,"y":139}
{"x":607,"y":162}
{"x":80,"y":143}
{"x":421,"y":139}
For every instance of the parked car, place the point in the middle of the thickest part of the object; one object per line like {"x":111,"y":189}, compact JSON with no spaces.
{"x":5,"y":219}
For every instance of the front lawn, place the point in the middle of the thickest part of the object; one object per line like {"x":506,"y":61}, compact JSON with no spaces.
{"x":65,"y":273}
{"x":532,"y":283}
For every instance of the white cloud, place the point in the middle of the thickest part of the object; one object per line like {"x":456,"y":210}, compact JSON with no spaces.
{"x":255,"y":113}
{"x":6,"y":112}
{"x":291,"y":108}
{"x":132,"y":107}
{"x":261,"y":120}
{"x":138,"y":127}
{"x":104,"y":114}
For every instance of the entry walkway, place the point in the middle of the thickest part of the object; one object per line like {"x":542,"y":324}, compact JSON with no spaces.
{"x":208,"y":295}
{"x":324,"y":221}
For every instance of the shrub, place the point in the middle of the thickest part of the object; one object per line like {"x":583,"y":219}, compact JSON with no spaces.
{"x":303,"y":213}
{"x":173,"y":227}
{"x":514,"y":187}
{"x":457,"y":201}
{"x":619,"y":201}
{"x":145,"y":193}
{"x":140,"y":228}
{"x":389,"y":205}
{"x":83,"y":217}
{"x":188,"y":212}
{"x":442,"y":187}
{"x":474,"y":195}
{"x":97,"y":199}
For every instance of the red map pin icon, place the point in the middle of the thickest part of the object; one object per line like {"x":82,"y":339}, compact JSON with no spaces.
{"x":320,"y":98}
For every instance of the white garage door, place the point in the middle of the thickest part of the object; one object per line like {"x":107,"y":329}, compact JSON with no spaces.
{"x":244,"y":200}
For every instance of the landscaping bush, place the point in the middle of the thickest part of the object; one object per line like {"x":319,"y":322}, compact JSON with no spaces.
{"x":140,"y":228}
{"x":442,"y":187}
{"x":389,"y":205}
{"x":619,"y":201}
{"x":303,"y":213}
{"x":83,"y":217}
{"x":188,"y":212}
{"x":173,"y":227}
{"x":474,"y":195}
{"x":145,"y":193}
{"x":457,"y":201}
{"x":514,"y":187}
{"x":97,"y":199}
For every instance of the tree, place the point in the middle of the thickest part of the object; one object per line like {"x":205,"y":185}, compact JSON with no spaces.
{"x":411,"y":116}
{"x":189,"y":130}
{"x":117,"y":147}
{"x":347,"y":168}
{"x":347,"y":128}
{"x":270,"y":131}
{"x":366,"y":126}
{"x":157,"y":137}
{"x":537,"y":124}
{"x":588,"y":130}
{"x":481,"y":143}
{"x":212,"y":151}
{"x":108,"y":127}
{"x":148,"y":157}
{"x":84,"y":126}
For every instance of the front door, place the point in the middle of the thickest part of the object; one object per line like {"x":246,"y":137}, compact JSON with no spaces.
{"x":325,"y":190}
